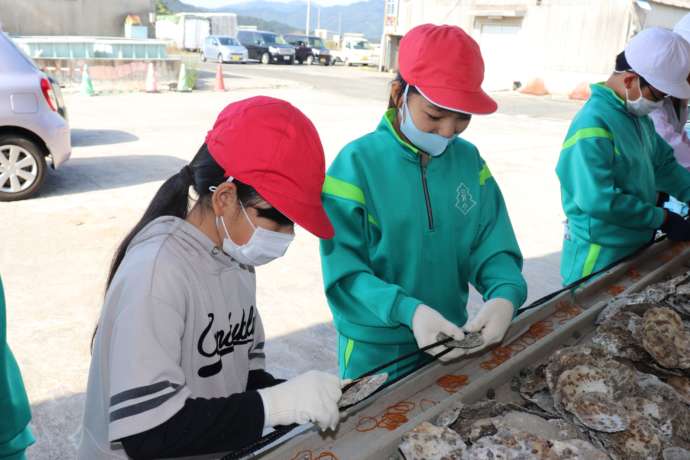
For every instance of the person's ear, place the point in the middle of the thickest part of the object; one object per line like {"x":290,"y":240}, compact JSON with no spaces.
{"x":224,"y":198}
{"x":628,"y":79}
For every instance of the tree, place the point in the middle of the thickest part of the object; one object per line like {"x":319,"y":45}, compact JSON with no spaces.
{"x":162,"y":9}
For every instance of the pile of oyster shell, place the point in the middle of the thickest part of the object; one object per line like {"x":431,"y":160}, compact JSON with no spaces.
{"x":624,"y":394}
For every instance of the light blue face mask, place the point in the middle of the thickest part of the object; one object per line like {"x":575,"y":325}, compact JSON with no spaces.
{"x":433,"y":144}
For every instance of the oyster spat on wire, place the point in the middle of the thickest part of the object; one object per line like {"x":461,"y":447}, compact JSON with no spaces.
{"x":431,"y":442}
{"x":360,"y":389}
{"x":471,"y":340}
{"x":665,"y":338}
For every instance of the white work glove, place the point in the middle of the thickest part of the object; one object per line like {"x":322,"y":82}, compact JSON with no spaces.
{"x":493,"y":320}
{"x":309,"y":397}
{"x":427,"y":323}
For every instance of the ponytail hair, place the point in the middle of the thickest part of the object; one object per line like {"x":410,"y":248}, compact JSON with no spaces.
{"x":173,"y":199}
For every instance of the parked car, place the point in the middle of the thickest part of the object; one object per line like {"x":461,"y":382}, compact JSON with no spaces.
{"x":303,"y":52}
{"x":356,"y":50}
{"x":224,"y":49}
{"x":313,"y":49}
{"x":33,"y":124}
{"x":266,"y":47}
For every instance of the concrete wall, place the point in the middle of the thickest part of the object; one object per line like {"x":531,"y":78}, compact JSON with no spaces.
{"x":663,"y":15}
{"x":563,"y":41}
{"x":71,"y":17}
{"x":111,"y":74}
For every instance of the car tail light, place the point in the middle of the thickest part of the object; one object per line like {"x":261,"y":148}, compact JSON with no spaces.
{"x":49,"y":94}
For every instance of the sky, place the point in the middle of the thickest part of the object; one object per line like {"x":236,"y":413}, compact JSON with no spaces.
{"x":219,"y":3}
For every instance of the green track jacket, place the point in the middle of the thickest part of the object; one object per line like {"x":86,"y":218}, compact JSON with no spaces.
{"x":410,"y":229}
{"x":15,"y":412}
{"x":611,"y":167}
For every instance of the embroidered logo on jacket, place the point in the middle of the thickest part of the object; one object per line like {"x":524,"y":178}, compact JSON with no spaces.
{"x":222,"y":342}
{"x":465,"y":202}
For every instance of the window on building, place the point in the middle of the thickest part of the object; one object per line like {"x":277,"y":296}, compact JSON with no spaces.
{"x":391,"y":7}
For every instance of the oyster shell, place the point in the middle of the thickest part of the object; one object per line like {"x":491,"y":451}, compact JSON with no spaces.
{"x":665,"y":338}
{"x":682,"y":387}
{"x":361,"y":389}
{"x":640,"y":440}
{"x":675,"y":453}
{"x":598,"y":412}
{"x":430,"y":442}
{"x":619,"y":336}
{"x":448,"y":417}
{"x":515,"y":444}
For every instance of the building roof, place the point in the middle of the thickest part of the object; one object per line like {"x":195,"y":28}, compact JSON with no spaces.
{"x":678,"y":3}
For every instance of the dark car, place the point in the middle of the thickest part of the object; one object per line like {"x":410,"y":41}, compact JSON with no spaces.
{"x":303,"y":52}
{"x":266,"y":47}
{"x":310,"y":49}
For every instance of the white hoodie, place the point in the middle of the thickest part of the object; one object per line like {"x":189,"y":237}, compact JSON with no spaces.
{"x":179,"y":321}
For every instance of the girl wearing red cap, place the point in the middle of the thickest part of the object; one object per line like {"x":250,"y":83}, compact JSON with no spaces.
{"x":418,"y":216}
{"x":178,"y":357}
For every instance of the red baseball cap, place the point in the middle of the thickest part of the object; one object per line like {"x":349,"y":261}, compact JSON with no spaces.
{"x":269,"y":144}
{"x":446,"y":66}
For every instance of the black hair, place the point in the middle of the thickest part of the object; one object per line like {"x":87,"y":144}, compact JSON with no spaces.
{"x":622,"y":65}
{"x":173,"y":199}
{"x":403,"y":85}
{"x":413,"y":90}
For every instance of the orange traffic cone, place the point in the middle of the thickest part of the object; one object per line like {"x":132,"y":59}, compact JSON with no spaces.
{"x":535,"y":87}
{"x":220,"y":82}
{"x":581,"y":92}
{"x":151,"y":81}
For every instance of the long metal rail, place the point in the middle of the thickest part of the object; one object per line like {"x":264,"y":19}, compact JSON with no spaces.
{"x":372,"y":430}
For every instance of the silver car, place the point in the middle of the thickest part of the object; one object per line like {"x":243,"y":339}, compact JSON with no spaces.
{"x":223,"y":49}
{"x":33,"y":124}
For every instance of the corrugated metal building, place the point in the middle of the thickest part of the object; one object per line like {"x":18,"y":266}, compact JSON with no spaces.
{"x":563,"y":42}
{"x":71,"y":17}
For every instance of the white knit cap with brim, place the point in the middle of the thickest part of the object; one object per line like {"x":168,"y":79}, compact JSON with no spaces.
{"x":662,"y":57}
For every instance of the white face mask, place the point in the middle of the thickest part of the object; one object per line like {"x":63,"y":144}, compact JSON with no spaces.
{"x":641,"y":106}
{"x":263,"y":247}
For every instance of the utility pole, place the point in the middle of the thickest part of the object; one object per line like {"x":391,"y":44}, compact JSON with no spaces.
{"x":308,"y":16}
{"x":318,"y":18}
{"x":340,"y":25}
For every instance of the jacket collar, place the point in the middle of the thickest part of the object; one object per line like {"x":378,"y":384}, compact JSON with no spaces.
{"x":601,"y":90}
{"x":388,"y":124}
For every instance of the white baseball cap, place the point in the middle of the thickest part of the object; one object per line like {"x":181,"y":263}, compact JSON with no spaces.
{"x":683,"y":27}
{"x":662,"y":58}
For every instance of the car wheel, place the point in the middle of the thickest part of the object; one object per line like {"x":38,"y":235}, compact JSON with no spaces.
{"x":265,"y":58}
{"x":22,"y":168}
{"x":203,"y":57}
{"x":220,"y":58}
{"x":310,"y":60}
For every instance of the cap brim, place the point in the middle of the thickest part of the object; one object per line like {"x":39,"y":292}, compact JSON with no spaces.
{"x":475,"y":103}
{"x":311,"y":217}
{"x":679,"y":90}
